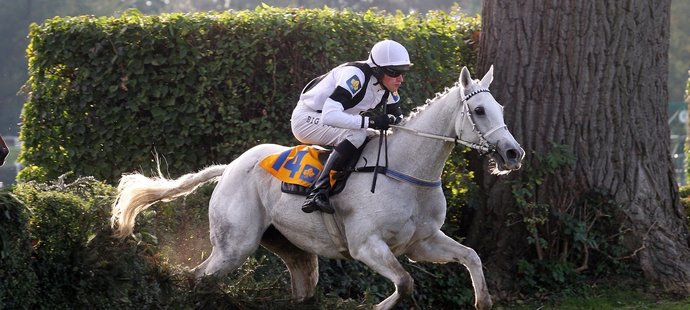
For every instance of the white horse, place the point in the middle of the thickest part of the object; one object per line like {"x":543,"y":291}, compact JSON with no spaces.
{"x":402,"y":217}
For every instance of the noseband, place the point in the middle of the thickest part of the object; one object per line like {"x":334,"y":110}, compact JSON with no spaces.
{"x":483,"y":146}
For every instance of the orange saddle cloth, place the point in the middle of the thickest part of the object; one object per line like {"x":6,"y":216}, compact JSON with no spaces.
{"x":298,"y":165}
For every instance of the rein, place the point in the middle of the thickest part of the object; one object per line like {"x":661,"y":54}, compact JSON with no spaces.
{"x":483,"y":147}
{"x":383,"y":137}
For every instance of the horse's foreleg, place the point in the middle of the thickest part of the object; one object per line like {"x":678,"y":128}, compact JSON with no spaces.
{"x":303,"y":266}
{"x":377,"y":255}
{"x":441,"y":249}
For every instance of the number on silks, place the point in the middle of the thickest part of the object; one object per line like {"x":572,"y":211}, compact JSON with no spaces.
{"x":294,"y":165}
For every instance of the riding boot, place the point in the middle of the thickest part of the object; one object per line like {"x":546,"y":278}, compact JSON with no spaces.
{"x":318,"y":199}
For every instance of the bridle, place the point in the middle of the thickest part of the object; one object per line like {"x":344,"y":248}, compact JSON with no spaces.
{"x":483,"y":146}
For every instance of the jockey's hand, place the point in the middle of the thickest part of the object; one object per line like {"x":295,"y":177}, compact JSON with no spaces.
{"x":381,"y":121}
{"x":396,"y":119}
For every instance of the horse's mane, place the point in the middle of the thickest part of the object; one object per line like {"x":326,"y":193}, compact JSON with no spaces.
{"x":430,"y":101}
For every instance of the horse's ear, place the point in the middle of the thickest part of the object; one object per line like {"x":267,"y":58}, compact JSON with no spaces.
{"x":465,"y":78}
{"x":488,"y":77}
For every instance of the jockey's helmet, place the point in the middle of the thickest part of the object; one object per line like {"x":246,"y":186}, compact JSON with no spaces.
{"x":390,"y":56}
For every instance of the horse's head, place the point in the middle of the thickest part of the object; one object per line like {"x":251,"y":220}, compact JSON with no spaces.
{"x":482,"y":123}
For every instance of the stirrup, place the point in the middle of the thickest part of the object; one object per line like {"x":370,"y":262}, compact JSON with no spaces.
{"x":317,"y":202}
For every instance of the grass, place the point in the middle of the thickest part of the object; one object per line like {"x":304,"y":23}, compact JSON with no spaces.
{"x":615,"y":296}
{"x":596,"y":299}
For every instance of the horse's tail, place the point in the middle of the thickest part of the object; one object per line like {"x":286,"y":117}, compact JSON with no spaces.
{"x":136,"y":192}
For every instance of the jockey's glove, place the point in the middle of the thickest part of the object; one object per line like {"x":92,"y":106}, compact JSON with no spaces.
{"x":381,"y":121}
{"x":396,"y":119}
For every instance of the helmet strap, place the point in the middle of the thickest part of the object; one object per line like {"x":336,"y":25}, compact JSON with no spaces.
{"x":378,"y":74}
{"x":377,"y":71}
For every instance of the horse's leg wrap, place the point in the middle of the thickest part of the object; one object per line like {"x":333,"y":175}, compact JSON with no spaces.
{"x":318,"y":200}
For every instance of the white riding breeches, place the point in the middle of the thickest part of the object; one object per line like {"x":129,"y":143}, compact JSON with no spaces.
{"x":308,"y":128}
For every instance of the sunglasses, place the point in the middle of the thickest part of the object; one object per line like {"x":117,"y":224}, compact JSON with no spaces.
{"x":392,"y":72}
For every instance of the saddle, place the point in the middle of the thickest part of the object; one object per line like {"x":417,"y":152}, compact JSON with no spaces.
{"x":299,"y":167}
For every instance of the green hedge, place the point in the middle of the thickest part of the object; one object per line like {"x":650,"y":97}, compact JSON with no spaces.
{"x":61,"y":254}
{"x":58,"y":253}
{"x":18,"y":284}
{"x":107,"y":93}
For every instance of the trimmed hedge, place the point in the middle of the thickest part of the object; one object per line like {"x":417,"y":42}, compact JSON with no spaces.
{"x":61,"y":254}
{"x":18,"y":285}
{"x":106,"y":93}
{"x":64,"y":257}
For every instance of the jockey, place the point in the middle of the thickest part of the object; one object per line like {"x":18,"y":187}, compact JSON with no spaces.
{"x":3,"y":151}
{"x":330,"y":108}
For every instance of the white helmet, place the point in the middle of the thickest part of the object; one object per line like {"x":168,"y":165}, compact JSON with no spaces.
{"x":388,"y":53}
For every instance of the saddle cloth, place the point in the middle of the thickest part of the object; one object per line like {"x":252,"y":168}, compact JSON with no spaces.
{"x":299,"y":166}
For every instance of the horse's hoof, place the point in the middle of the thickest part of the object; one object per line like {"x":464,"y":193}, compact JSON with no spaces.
{"x":484,"y":305}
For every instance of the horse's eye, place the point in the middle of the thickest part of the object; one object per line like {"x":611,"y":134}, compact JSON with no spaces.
{"x":479,"y":110}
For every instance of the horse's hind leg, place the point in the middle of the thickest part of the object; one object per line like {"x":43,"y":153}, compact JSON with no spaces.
{"x":442,"y":249}
{"x":236,"y":225}
{"x":225,"y":257}
{"x":303,"y":266}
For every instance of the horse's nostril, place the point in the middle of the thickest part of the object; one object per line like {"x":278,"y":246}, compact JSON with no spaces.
{"x":512,"y":154}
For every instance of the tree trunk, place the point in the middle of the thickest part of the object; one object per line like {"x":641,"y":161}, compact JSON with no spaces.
{"x":590,"y":76}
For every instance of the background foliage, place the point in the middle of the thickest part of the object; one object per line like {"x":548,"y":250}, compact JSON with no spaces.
{"x":107,"y":93}
{"x":16,"y":16}
{"x":67,"y":259}
{"x":19,"y":280}
{"x":231,"y":80}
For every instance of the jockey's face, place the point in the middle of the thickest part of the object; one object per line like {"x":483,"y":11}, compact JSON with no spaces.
{"x":392,"y":83}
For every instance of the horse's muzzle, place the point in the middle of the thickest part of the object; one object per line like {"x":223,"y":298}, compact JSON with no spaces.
{"x":508,"y":160}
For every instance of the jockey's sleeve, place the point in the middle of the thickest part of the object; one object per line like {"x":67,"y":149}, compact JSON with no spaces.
{"x":348,"y":83}
{"x":334,"y":115}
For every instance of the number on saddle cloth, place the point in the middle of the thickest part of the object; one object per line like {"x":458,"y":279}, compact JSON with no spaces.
{"x":299,"y":166}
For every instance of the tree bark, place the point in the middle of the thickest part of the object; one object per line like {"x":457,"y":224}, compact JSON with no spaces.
{"x":592,"y":76}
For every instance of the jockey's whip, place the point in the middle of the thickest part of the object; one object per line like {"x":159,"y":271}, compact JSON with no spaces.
{"x":378,"y":157}
{"x":381,"y":137}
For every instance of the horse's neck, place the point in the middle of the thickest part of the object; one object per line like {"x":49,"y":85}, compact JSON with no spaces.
{"x":424,"y":157}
